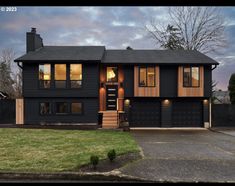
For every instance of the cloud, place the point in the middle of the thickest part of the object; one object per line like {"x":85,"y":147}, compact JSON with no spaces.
{"x":114,"y":27}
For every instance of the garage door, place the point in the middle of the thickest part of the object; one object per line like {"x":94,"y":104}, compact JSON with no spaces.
{"x":144,"y":113}
{"x":187,"y":114}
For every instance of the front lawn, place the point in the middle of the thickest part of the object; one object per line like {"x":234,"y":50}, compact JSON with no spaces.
{"x":47,"y":150}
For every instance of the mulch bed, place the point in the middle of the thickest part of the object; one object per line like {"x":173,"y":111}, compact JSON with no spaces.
{"x":107,"y":165}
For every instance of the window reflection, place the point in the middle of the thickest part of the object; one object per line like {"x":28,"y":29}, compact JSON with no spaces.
{"x":45,"y":75}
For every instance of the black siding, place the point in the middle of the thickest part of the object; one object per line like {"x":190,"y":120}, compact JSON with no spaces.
{"x":207,"y":81}
{"x":89,"y":83}
{"x":128,"y":81}
{"x":166,"y":113}
{"x":32,"y":115}
{"x":168,"y":81}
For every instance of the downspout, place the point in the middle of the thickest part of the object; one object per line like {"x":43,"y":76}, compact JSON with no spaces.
{"x":18,"y":64}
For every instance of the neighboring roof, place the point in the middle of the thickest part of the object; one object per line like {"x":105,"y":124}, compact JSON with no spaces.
{"x":64,"y":53}
{"x":157,"y":56}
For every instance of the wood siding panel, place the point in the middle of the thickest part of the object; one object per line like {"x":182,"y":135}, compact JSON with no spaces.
{"x":19,"y":111}
{"x":146,"y":91}
{"x":190,"y":91}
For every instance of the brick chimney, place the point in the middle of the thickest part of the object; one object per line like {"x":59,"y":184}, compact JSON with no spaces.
{"x":33,"y":40}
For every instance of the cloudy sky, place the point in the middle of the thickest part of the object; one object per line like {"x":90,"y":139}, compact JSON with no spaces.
{"x":113,"y":27}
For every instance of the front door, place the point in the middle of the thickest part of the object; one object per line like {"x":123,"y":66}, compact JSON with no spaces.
{"x":111,"y":97}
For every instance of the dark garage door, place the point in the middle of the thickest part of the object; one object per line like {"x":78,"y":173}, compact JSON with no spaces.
{"x":187,"y":114}
{"x":145,"y":113}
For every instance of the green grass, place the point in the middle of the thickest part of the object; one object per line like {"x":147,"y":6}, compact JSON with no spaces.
{"x":48,"y":150}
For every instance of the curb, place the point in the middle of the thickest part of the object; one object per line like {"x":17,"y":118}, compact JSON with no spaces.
{"x":72,"y":176}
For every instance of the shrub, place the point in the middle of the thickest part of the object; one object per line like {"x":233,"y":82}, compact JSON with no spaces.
{"x":111,"y":155}
{"x":94,"y":161}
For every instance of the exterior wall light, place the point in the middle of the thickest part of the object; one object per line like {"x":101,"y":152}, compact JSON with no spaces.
{"x":102,"y":84}
{"x":166,"y":101}
{"x":205,"y":101}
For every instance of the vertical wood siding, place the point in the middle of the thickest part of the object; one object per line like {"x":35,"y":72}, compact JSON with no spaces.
{"x":190,"y":91}
{"x":146,"y":91}
{"x":20,"y":111}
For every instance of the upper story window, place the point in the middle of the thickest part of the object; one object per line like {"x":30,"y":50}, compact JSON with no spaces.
{"x":60,"y":75}
{"x":146,"y":76}
{"x":112,"y":74}
{"x":45,"y":75}
{"x":191,"y":77}
{"x":75,"y":75}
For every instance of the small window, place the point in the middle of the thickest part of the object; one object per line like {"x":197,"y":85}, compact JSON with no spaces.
{"x":44,"y":75}
{"x":61,"y":108}
{"x":75,"y":75}
{"x":45,"y":108}
{"x":143,"y":77}
{"x":191,"y":77}
{"x":147,"y":77}
{"x":60,"y":75}
{"x":112,"y":74}
{"x":76,"y":108}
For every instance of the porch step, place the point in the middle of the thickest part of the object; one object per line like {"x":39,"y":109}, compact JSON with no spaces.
{"x":110,"y":120}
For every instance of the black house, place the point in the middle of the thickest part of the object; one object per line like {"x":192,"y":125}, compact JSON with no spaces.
{"x":150,"y":88}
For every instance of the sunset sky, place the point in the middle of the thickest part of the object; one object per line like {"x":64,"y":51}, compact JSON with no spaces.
{"x":113,"y":27}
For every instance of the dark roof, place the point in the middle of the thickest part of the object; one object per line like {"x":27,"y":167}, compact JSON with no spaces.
{"x":64,"y":53}
{"x":157,"y":56}
{"x":96,"y":53}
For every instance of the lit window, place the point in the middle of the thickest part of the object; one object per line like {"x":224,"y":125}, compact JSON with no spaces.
{"x":147,"y":76}
{"x":76,"y":75}
{"x":76,"y":108}
{"x":112,"y":74}
{"x":45,"y":108}
{"x":45,"y":75}
{"x":60,"y":75}
{"x":61,"y":108}
{"x":191,"y":77}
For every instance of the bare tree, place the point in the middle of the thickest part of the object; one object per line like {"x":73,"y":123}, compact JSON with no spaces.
{"x":196,"y":28}
{"x":10,"y":79}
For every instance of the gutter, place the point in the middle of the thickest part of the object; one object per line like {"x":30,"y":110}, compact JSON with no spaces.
{"x":214,"y":67}
{"x":18,"y":64}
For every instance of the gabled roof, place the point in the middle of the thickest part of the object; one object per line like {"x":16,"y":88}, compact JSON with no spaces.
{"x":157,"y":56}
{"x":64,"y":53}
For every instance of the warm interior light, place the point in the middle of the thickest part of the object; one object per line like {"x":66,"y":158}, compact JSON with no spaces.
{"x":46,"y":77}
{"x":111,"y":74}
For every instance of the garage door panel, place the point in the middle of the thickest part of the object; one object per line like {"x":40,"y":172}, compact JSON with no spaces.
{"x":145,"y":113}
{"x":187,"y":114}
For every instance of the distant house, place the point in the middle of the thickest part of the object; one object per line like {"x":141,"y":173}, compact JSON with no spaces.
{"x":3,"y":95}
{"x":221,"y":97}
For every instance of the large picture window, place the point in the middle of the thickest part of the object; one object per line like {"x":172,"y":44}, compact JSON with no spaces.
{"x":45,"y":75}
{"x":147,"y":76}
{"x":60,"y":75}
{"x":191,"y":77}
{"x":75,"y":75}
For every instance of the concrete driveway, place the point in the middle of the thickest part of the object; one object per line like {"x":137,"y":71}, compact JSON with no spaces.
{"x":184,"y":156}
